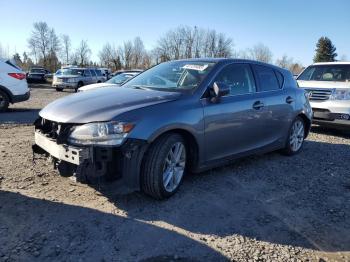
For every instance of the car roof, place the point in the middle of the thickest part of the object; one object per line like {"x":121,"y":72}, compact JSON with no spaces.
{"x":332,"y":63}
{"x":230,"y":60}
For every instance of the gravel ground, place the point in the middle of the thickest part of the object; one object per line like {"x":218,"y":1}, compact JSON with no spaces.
{"x":261,"y":208}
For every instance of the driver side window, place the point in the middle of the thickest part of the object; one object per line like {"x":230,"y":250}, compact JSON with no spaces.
{"x":238,"y":77}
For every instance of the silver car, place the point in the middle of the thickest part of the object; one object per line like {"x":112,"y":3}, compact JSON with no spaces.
{"x":328,"y":86}
{"x":74,"y":78}
{"x":177,"y":117}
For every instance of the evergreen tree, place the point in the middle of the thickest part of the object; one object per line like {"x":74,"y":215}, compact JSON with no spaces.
{"x":325,"y":51}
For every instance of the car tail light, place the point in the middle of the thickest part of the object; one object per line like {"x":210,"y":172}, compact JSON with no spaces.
{"x":19,"y":76}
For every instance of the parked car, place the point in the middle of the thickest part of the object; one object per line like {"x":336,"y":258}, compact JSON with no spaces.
{"x":115,"y":81}
{"x":125,"y":71}
{"x":106,"y":72}
{"x":37,"y":74}
{"x":74,"y":78}
{"x":328,"y":86}
{"x":13,"y":84}
{"x":151,"y":132}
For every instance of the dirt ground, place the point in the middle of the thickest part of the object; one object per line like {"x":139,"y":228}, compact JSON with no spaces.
{"x":261,"y":208}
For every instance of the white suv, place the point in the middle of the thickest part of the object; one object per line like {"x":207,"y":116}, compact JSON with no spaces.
{"x":13,"y":84}
{"x":328,"y":85}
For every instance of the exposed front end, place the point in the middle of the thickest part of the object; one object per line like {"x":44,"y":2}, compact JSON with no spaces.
{"x":86,"y":159}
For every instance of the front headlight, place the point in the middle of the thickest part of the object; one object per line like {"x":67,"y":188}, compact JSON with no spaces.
{"x":341,"y":94}
{"x":108,"y":133}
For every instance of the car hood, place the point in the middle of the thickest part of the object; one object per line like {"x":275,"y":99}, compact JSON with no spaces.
{"x":323,"y":84}
{"x":95,"y":86}
{"x":102,"y":104}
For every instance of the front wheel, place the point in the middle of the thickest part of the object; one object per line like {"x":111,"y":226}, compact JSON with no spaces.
{"x":59,"y":89}
{"x":295,"y":138}
{"x":164,"y":166}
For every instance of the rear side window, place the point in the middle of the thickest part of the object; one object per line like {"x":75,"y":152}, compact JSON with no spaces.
{"x":238,"y":77}
{"x":93,"y":72}
{"x":98,"y":72}
{"x":280,"y":78}
{"x":267,"y":78}
{"x":87,"y":73}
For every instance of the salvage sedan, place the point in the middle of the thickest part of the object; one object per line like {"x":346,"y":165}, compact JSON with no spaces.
{"x":175,"y":118}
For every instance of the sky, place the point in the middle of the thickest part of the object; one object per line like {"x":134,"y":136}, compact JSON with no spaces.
{"x":287,"y":27}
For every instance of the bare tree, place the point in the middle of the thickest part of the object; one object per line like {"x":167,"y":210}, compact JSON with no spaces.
{"x":188,"y":42}
{"x":260,"y":52}
{"x":138,"y":53}
{"x":66,"y":43}
{"x":284,"y":62}
{"x":83,"y":53}
{"x":109,"y":57}
{"x":40,"y":40}
{"x":44,"y":45}
{"x":125,"y":52}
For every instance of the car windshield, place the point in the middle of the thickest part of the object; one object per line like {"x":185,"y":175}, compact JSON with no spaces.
{"x":69,"y":72}
{"x":339,"y":73}
{"x":37,"y":70}
{"x":119,"y":79}
{"x":175,"y":75}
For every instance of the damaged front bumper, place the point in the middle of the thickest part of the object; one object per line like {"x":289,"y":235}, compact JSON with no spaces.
{"x":70,"y":154}
{"x":117,"y":162}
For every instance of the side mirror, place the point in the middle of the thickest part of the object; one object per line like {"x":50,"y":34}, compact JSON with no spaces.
{"x":218,"y":90}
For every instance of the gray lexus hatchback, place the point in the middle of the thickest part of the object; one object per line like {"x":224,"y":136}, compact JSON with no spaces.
{"x":177,"y":117}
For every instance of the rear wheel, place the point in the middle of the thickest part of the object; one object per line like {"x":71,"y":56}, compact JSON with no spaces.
{"x":295,"y":140}
{"x":4,"y":101}
{"x":59,"y":89}
{"x":164,"y":166}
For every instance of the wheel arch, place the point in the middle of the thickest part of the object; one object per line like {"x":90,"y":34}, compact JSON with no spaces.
{"x":7,"y":92}
{"x":192,"y":144}
{"x":307,"y":122}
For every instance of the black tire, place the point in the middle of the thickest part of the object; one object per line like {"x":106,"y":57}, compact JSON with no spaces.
{"x":4,"y":101}
{"x":59,"y":89}
{"x":288,"y":150}
{"x":153,"y":164}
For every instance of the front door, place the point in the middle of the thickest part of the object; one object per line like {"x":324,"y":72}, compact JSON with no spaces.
{"x":233,"y":125}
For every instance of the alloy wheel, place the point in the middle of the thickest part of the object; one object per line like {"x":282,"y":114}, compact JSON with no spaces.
{"x":297,"y":135}
{"x":174,"y":167}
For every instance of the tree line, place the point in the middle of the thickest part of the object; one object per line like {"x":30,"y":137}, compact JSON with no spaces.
{"x":50,"y":50}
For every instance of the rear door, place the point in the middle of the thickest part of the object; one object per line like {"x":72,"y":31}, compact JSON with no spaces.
{"x":93,"y":76}
{"x":87,"y":77}
{"x":279,"y":103}
{"x":234,"y":124}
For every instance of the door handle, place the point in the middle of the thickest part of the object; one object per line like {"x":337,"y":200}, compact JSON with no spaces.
{"x":289,"y":100}
{"x":258,"y":105}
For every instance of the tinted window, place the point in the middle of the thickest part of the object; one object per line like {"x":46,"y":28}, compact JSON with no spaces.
{"x":98,"y":72}
{"x":280,"y":78}
{"x":238,"y":77}
{"x":267,"y":78}
{"x":93,"y":72}
{"x":340,"y":73}
{"x":87,"y":73}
